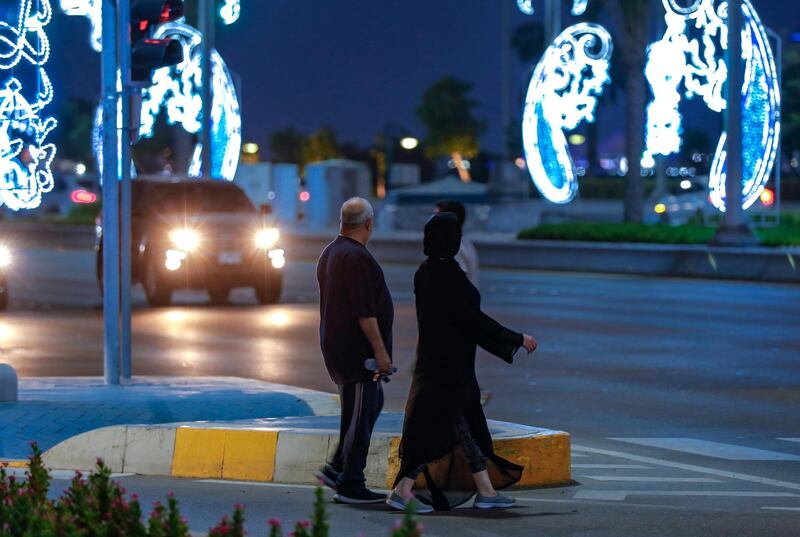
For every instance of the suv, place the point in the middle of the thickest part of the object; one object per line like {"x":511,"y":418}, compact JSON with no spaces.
{"x":199,"y":234}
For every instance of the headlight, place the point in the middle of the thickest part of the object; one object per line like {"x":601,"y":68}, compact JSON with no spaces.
{"x":184,"y":239}
{"x":5,"y":257}
{"x":268,"y":237}
{"x":660,"y":208}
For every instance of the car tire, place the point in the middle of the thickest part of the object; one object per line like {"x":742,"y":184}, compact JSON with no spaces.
{"x":158,"y":293}
{"x":218,"y":294}
{"x":269,"y":292}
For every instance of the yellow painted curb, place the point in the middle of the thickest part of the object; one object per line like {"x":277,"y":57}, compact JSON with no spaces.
{"x":225,"y":454}
{"x":14,"y":464}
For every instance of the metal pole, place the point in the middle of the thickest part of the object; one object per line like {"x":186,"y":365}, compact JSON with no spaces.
{"x":124,"y":55}
{"x":110,"y":197}
{"x":778,"y":168}
{"x":734,"y":229}
{"x":207,"y":27}
{"x":505,"y":72}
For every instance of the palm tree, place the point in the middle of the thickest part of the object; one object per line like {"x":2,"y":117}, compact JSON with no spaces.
{"x":633,"y":19}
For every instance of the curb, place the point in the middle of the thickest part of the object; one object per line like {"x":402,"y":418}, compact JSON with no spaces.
{"x":282,"y":451}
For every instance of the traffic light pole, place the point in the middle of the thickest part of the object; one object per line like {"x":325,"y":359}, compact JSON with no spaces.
{"x":734,"y":229}
{"x":111,"y":261}
{"x":126,"y":131}
{"x":207,"y":28}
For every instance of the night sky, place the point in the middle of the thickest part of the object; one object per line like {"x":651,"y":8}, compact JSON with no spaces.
{"x":352,"y":65}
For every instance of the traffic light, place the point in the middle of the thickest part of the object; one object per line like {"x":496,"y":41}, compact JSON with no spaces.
{"x":148,"y":54}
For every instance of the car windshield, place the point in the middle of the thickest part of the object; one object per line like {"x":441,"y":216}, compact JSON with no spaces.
{"x":200,"y":198}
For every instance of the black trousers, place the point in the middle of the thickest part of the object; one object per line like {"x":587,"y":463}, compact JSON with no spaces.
{"x":362,"y":403}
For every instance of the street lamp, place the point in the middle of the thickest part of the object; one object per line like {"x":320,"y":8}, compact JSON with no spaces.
{"x":409,"y":143}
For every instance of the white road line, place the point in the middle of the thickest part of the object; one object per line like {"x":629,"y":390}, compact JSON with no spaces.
{"x":690,"y":467}
{"x":621,"y":495}
{"x":576,"y":455}
{"x":790,"y":439}
{"x":782,"y":508}
{"x":255,"y":484}
{"x":643,"y":479}
{"x":613,"y":466}
{"x":706,"y":448}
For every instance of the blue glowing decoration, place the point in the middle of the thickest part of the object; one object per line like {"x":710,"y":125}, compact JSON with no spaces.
{"x":230,"y":11}
{"x":177,"y":92}
{"x":697,"y":63}
{"x":92,"y":9}
{"x":562,"y":94}
{"x":25,"y":157}
{"x":578,"y":7}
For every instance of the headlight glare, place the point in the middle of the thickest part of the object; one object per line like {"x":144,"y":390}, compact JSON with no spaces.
{"x":5,"y":256}
{"x":185,"y":239}
{"x":268,"y":237}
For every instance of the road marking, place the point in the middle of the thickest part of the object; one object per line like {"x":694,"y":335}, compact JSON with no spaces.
{"x":613,"y":466}
{"x":255,"y":484}
{"x":689,"y":467}
{"x":782,"y":508}
{"x":603,"y":495}
{"x":621,"y":495}
{"x":791,"y":439}
{"x":706,"y":448}
{"x":644,"y":479}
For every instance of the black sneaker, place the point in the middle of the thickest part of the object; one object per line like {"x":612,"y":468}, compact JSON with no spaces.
{"x":328,"y":476}
{"x":358,"y":496}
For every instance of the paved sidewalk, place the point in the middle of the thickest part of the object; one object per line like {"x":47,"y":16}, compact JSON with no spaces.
{"x":51,"y":410}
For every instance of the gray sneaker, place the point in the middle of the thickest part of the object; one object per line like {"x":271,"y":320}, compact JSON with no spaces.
{"x":498,"y":502}
{"x":395,"y":501}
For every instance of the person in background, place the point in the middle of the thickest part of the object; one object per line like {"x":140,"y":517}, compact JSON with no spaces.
{"x":356,"y":316}
{"x":467,"y":256}
{"x":446,"y":450}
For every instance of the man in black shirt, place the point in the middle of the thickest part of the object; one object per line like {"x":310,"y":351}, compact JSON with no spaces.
{"x":356,"y":315}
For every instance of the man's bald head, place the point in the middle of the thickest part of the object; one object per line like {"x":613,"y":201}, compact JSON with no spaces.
{"x":356,"y":212}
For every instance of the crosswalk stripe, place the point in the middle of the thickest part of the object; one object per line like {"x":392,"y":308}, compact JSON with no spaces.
{"x":707,"y":448}
{"x":621,"y":495}
{"x":647,"y":479}
{"x":689,"y":467}
{"x":613,"y":466}
{"x":782,"y":508}
{"x":790,"y":439}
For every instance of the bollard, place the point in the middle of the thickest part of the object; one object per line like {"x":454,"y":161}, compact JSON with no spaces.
{"x":9,"y":384}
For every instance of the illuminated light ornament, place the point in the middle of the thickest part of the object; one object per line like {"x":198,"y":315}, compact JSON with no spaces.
{"x":177,"y":92}
{"x":25,"y":157}
{"x":578,"y":7}
{"x":92,"y":9}
{"x":698,"y":64}
{"x":562,"y":94}
{"x":230,"y":11}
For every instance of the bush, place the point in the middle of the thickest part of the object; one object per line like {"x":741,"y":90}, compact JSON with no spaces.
{"x":97,"y":506}
{"x":787,"y":234}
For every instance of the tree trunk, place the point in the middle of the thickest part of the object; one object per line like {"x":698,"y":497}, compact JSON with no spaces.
{"x":635,"y":105}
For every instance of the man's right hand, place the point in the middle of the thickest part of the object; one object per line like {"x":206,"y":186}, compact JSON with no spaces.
{"x":384,"y":363}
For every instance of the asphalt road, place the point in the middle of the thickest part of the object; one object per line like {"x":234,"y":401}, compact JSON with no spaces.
{"x":682,"y":396}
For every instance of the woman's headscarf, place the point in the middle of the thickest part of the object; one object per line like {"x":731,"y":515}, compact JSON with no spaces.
{"x":442,"y":236}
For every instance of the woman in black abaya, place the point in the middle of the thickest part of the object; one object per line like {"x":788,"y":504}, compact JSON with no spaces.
{"x":446,"y":450}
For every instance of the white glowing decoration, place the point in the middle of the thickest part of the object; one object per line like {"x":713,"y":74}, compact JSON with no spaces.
{"x":578,"y":7}
{"x":230,"y":11}
{"x":562,"y":94}
{"x":177,"y":92}
{"x":526,"y":6}
{"x":25,"y":158}
{"x":92,"y":9}
{"x":697,"y":64}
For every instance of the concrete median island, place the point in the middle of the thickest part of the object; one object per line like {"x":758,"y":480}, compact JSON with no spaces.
{"x":284,"y":450}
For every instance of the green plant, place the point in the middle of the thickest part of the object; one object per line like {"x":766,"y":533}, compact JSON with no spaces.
{"x":408,"y":526}
{"x":96,"y":506}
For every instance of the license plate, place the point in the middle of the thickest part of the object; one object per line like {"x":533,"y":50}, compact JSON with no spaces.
{"x":230,"y":258}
